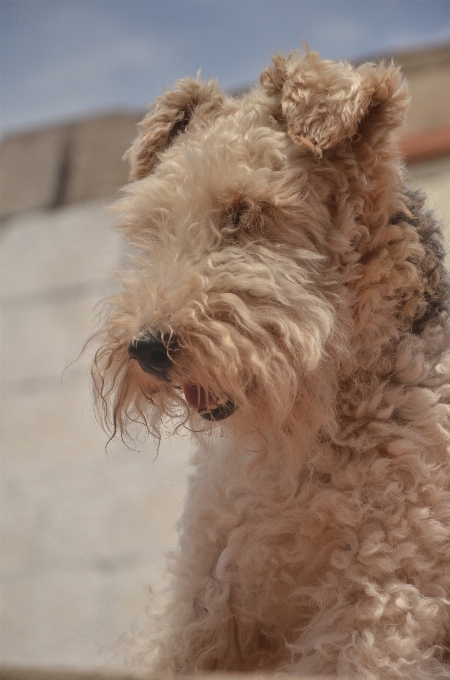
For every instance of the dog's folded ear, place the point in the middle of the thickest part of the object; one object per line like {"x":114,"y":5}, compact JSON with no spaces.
{"x":323,"y":102}
{"x":169,"y":116}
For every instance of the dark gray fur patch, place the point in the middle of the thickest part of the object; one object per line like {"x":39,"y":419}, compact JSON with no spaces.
{"x":431,"y":237}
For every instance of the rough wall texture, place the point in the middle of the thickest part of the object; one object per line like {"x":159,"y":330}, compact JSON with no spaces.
{"x":428,"y":74}
{"x":434,"y":177}
{"x":13,"y":673}
{"x":83,"y":530}
{"x":45,"y":169}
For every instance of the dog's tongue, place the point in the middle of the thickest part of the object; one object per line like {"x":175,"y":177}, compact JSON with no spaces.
{"x":207,"y":404}
{"x":197,"y":397}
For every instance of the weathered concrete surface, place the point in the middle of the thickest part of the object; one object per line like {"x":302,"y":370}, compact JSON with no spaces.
{"x":29,"y":170}
{"x":20,"y":673}
{"x":62,"y":165}
{"x":66,"y":674}
{"x":83,"y":531}
{"x":428,"y":75}
{"x":94,"y":157}
{"x":434,"y":178}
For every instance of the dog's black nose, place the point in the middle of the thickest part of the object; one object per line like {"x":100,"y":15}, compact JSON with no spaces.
{"x":152,"y":353}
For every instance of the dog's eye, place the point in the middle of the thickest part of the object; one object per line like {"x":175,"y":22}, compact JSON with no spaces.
{"x":244,"y":219}
{"x":238,"y":214}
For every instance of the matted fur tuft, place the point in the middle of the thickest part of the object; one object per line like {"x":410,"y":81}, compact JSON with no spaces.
{"x":287,"y":302}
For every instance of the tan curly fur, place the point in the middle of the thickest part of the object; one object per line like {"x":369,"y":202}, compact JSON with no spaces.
{"x":291,"y":276}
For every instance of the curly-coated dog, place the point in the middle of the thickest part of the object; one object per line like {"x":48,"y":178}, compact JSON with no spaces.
{"x":287,"y":302}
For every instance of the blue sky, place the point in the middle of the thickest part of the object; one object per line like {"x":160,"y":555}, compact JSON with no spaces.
{"x":62,"y":59}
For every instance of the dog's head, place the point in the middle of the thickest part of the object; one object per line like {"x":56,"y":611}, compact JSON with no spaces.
{"x":244,"y":215}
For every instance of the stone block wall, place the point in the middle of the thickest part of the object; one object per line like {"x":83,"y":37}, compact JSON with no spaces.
{"x":46,"y":169}
{"x":84,"y":528}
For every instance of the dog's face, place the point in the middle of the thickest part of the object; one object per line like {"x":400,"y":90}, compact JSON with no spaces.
{"x":230,"y":302}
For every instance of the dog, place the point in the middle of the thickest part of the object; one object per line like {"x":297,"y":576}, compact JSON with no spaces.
{"x":287,"y":302}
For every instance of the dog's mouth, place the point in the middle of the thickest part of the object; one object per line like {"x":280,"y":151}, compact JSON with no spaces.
{"x":208,"y":405}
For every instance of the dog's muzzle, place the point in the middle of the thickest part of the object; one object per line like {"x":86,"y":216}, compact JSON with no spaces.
{"x":153,"y":353}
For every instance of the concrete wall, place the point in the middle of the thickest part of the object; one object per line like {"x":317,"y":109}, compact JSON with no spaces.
{"x":45,"y":169}
{"x":433,"y":176}
{"x":84,"y":530}
{"x":428,"y":75}
{"x":14,"y":673}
